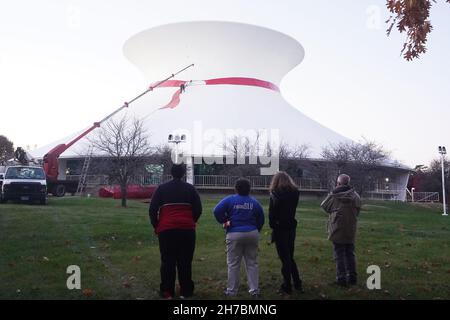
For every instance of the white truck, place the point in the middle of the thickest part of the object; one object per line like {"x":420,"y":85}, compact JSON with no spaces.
{"x":23,"y":183}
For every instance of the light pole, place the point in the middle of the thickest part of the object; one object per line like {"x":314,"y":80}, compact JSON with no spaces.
{"x":176,"y":139}
{"x":386,"y":188}
{"x":443,"y":152}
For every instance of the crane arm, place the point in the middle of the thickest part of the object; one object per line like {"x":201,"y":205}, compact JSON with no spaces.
{"x":50,"y":160}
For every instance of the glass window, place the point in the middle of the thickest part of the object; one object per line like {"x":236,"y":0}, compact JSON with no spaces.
{"x":25,"y":173}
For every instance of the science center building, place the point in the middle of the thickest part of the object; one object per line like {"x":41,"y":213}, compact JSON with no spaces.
{"x":230,"y":98}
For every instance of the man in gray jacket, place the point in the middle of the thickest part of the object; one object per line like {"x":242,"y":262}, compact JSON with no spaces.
{"x":343,"y":205}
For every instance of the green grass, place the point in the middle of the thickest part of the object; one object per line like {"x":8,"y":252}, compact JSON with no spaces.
{"x":119,"y":258}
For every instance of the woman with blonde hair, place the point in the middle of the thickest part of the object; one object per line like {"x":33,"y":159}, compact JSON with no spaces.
{"x":283,"y":203}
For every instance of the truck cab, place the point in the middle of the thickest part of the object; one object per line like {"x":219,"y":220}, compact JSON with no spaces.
{"x":23,"y":183}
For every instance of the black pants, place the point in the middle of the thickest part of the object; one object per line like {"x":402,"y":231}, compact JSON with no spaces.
{"x":344,"y":255}
{"x":285,"y":242}
{"x":177,"y":250}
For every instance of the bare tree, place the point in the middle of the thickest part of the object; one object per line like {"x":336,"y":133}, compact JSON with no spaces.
{"x":127,"y":147}
{"x":429,"y":178}
{"x":233,"y":146}
{"x":361,"y":160}
{"x":292,"y":158}
{"x":162,"y":154}
{"x":6,"y":149}
{"x":296,"y":152}
{"x":241,"y":148}
{"x":245,"y":148}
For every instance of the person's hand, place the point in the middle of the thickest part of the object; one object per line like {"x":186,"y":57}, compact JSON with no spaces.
{"x":227,"y":224}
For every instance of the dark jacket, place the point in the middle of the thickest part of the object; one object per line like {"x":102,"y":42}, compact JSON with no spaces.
{"x":343,"y":206}
{"x":175,"y":205}
{"x":282,"y":208}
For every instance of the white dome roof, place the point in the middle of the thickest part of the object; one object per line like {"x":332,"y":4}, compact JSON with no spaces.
{"x":208,"y":112}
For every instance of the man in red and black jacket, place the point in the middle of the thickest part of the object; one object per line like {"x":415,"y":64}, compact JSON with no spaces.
{"x":174,"y":210}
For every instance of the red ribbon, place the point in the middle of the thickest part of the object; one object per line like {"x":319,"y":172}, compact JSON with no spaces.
{"x":239,"y":81}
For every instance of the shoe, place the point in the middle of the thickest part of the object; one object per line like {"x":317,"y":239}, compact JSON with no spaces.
{"x":341,"y":283}
{"x":254,"y":293}
{"x":352,"y":282}
{"x":228,"y":293}
{"x":299,"y":287}
{"x":283,"y":290}
{"x":167,"y":295}
{"x":185,"y":295}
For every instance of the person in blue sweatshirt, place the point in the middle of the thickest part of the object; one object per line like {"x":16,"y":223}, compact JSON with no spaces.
{"x":243,"y":218}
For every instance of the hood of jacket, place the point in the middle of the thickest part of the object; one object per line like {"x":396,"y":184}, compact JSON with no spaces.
{"x":344,"y":193}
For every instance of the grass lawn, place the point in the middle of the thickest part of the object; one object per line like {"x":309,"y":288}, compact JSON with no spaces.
{"x":119,"y":258}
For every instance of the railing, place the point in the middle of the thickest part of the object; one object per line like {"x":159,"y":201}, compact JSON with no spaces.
{"x":393,"y":195}
{"x":150,"y":179}
{"x":386,"y":187}
{"x":257,"y":182}
{"x":423,"y":196}
{"x":104,"y":180}
{"x":215,"y":182}
{"x":223,"y":182}
{"x":207,"y":181}
{"x":91,"y":179}
{"x":310,"y":184}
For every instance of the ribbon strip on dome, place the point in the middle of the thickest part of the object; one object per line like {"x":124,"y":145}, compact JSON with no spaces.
{"x":240,"y":81}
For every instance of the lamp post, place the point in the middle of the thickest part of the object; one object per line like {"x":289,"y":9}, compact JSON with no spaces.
{"x":176,"y":139}
{"x":443,"y":152}
{"x":386,"y":188}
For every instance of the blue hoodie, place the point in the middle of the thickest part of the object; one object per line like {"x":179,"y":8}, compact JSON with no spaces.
{"x":244,"y":213}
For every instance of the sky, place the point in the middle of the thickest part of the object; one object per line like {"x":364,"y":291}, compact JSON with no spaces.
{"x":62,"y":66}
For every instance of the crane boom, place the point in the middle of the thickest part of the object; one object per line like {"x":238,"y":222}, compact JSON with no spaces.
{"x":50,"y":160}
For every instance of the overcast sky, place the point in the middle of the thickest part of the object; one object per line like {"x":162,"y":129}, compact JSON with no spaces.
{"x":62,"y":66}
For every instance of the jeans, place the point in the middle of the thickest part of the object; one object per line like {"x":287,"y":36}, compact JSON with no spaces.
{"x":344,"y":255}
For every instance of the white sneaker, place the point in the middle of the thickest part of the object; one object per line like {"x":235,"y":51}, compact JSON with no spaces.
{"x":254,"y":293}
{"x":229,"y":293}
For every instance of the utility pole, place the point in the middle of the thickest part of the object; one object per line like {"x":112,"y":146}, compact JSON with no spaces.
{"x":443,"y":152}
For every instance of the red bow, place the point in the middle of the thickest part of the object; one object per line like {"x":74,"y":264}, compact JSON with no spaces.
{"x":182,"y":84}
